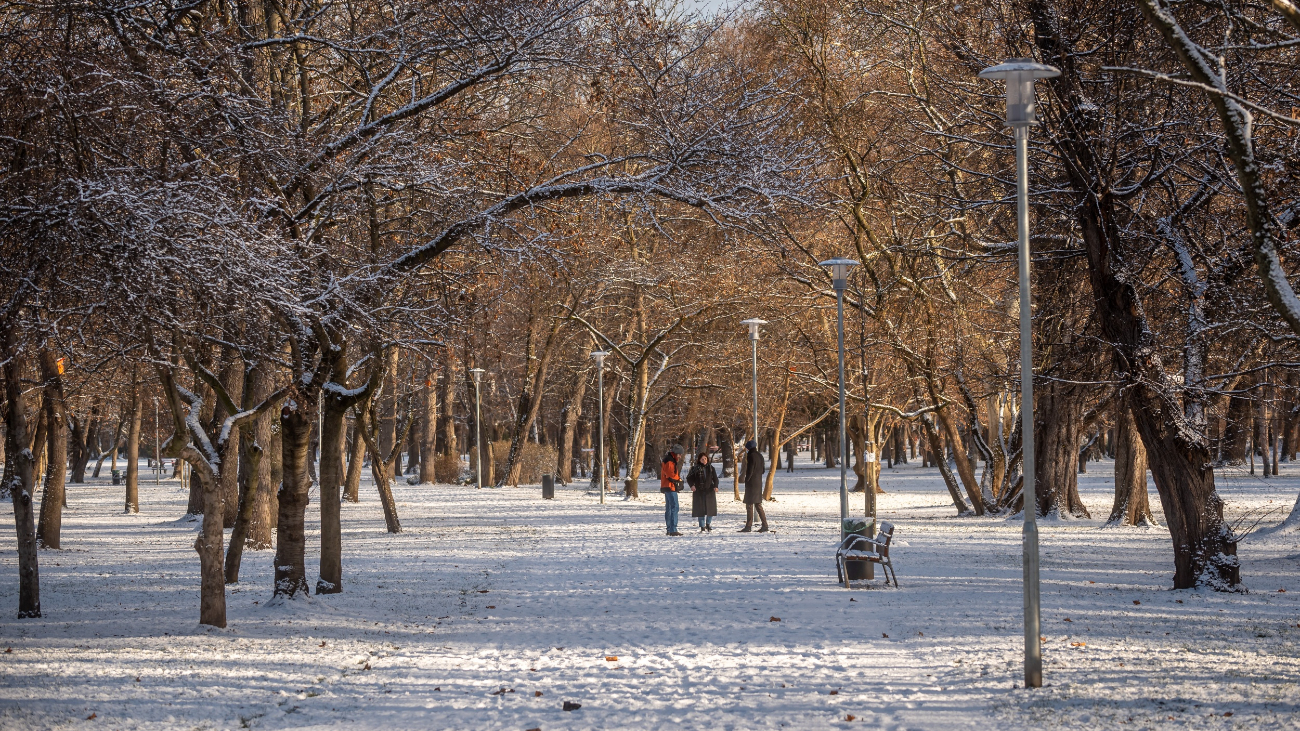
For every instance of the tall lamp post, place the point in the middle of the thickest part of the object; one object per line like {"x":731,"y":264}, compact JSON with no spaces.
{"x":599,"y":355}
{"x":477,"y":374}
{"x":840,"y":279}
{"x":754,"y":324}
{"x":1020,"y":74}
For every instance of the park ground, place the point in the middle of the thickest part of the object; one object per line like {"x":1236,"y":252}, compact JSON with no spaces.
{"x":493,"y":608}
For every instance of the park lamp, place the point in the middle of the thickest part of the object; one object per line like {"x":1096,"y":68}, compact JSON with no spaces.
{"x":839,"y":271}
{"x":477,"y":375}
{"x":1020,"y":75}
{"x":753,"y":324}
{"x":599,"y":355}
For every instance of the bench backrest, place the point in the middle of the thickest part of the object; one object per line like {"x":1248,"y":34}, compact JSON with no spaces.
{"x":884,"y":538}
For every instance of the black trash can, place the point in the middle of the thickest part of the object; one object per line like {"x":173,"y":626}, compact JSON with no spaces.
{"x":117,"y":477}
{"x":858,"y":570}
{"x":548,"y":487}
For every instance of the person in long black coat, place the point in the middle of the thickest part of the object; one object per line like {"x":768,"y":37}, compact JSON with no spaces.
{"x":754,"y":469}
{"x":703,"y":480}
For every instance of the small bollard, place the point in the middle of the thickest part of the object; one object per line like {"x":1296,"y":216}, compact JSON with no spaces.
{"x":548,"y":487}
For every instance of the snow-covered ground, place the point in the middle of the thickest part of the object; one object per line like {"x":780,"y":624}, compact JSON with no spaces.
{"x":494,"y":607}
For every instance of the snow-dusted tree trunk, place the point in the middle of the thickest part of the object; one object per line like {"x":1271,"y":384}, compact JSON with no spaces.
{"x":56,"y":415}
{"x":20,"y":477}
{"x":134,"y":419}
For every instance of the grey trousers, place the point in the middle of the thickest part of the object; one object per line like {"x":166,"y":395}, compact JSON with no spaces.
{"x":750,"y":509}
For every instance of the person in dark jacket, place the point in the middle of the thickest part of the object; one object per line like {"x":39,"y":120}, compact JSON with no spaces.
{"x":703,"y":480}
{"x":754,"y":469}
{"x":670,"y":483}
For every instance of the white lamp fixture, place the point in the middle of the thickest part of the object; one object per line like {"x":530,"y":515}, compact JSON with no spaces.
{"x":839,"y":271}
{"x":1020,"y":75}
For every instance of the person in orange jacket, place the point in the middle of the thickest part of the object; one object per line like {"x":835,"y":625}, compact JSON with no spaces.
{"x":670,"y":483}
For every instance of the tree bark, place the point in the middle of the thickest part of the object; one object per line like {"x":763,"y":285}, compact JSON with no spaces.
{"x":356,"y":458}
{"x":56,"y":416}
{"x":1132,"y":503}
{"x":331,"y":483}
{"x":1056,"y":449}
{"x":428,"y":434}
{"x":20,"y":479}
{"x":232,"y":379}
{"x":291,"y":538}
{"x":133,"y":447}
{"x":569,"y":418}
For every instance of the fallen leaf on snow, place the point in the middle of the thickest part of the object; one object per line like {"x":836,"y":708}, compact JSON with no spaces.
{"x":774,"y":619}
{"x":502,"y":691}
{"x":850,"y":717}
{"x":882,"y":634}
{"x":322,"y":644}
{"x":834,"y":692}
{"x":91,"y":717}
{"x":537,"y":694}
{"x":1136,"y":601}
{"x":1078,"y":644}
{"x":611,"y":658}
{"x":1281,"y":591}
{"x":482,"y":591}
{"x":571,"y":706}
{"x":1067,"y":619}
{"x":1229,"y":713}
{"x":491,"y":606}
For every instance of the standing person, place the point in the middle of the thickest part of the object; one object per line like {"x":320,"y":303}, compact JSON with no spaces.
{"x":754,"y":469}
{"x":703,"y":480}
{"x":670,"y":483}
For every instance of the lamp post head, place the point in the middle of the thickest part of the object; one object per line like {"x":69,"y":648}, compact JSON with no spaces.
{"x":839,"y":271}
{"x":1020,"y":74}
{"x":753,"y":324}
{"x":477,"y":374}
{"x":599,"y":355}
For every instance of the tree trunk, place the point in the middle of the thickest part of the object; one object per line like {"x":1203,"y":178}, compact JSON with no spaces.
{"x":250,"y":461}
{"x":270,"y":475}
{"x":331,"y":484}
{"x":356,"y":458}
{"x":1056,"y":449}
{"x":232,"y":379}
{"x":569,"y":418}
{"x":56,"y":416}
{"x":20,"y":478}
{"x":428,"y":434}
{"x":1204,"y":545}
{"x":1132,"y":503}
{"x":212,"y":592}
{"x":291,"y":539}
{"x":936,"y":446}
{"x":133,"y":448}
{"x":964,"y":469}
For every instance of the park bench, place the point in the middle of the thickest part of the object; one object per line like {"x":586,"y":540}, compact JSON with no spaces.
{"x":861,"y":548}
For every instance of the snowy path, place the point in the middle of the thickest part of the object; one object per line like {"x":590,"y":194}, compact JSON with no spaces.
{"x":496,"y":589}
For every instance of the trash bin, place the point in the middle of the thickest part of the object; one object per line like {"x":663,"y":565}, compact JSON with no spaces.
{"x":548,"y":487}
{"x":117,"y":477}
{"x":859,"y":570}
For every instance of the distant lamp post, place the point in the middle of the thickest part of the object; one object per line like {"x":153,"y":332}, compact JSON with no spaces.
{"x":477,"y":374}
{"x":1020,"y":74}
{"x":754,"y":324}
{"x":599,"y":355}
{"x":840,"y":279}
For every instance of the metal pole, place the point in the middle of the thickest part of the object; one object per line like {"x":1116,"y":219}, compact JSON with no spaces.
{"x":844,"y":475}
{"x":754,"y":341}
{"x":478,"y":435}
{"x":1033,"y":617}
{"x":600,"y":379}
